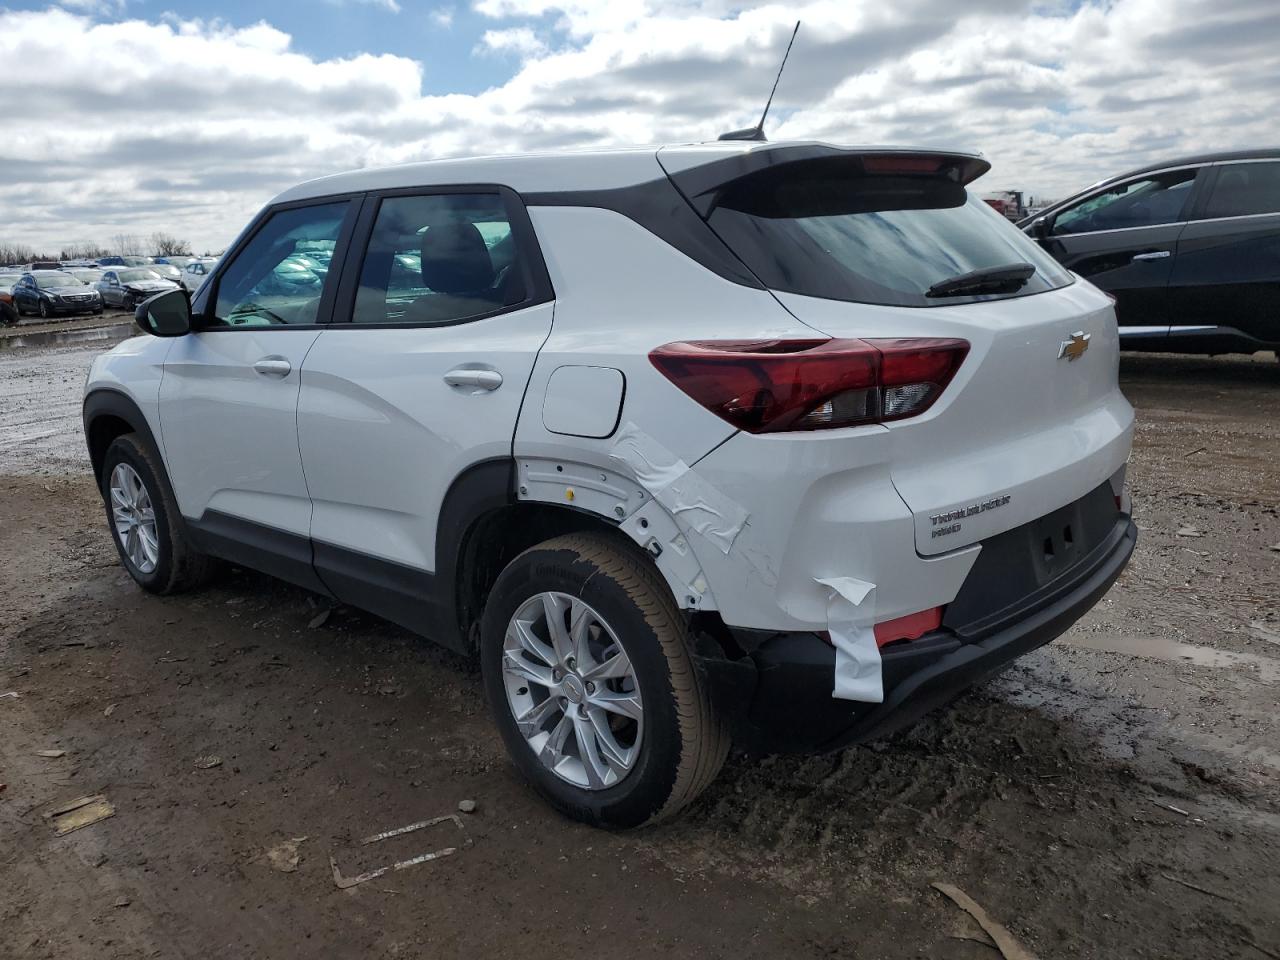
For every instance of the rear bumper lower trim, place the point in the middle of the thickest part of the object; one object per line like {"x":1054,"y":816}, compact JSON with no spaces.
{"x":791,"y":708}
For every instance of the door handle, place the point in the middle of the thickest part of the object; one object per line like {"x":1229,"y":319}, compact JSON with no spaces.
{"x":480,"y":379}
{"x":1153,"y":255}
{"x":273,"y":367}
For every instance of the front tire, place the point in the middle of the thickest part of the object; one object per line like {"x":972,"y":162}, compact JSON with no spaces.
{"x":145,"y":523}
{"x":44,"y":310}
{"x":589,"y":677}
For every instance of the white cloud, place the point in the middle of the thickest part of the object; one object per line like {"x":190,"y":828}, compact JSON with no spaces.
{"x":1056,"y":95}
{"x":442,"y":17}
{"x":521,"y":41}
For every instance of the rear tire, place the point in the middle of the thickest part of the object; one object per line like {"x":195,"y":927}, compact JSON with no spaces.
{"x":44,"y":310}
{"x":145,"y":523}
{"x":676,"y":744}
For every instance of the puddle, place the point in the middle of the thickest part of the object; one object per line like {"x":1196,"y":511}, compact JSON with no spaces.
{"x":45,"y":338}
{"x":1158,"y":648}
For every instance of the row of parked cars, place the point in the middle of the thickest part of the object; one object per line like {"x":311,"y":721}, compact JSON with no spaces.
{"x":50,"y":288}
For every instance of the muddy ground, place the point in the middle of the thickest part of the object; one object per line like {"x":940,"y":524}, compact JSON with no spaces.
{"x":1116,"y":794}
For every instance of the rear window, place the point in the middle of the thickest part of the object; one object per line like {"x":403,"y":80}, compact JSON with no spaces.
{"x":1245,"y":189}
{"x":824,"y":228}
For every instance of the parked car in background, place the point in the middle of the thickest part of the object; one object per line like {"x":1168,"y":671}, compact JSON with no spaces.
{"x":111,"y":262}
{"x":8,"y":312}
{"x":128,"y":286}
{"x":50,"y":292}
{"x":816,"y":441}
{"x":194,"y":273}
{"x":89,"y":275}
{"x":175,"y":261}
{"x":1190,"y":249}
{"x":45,"y":265}
{"x":166,"y":271}
{"x":8,"y":278}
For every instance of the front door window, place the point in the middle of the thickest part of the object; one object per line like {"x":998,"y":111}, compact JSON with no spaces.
{"x":1144,"y":202}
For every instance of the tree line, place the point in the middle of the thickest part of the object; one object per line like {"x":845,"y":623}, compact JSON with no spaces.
{"x":159,"y":244}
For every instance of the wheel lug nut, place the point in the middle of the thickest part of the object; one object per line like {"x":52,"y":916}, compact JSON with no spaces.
{"x":570,"y":663}
{"x":591,"y":687}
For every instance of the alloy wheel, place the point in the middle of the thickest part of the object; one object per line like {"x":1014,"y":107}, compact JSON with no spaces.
{"x":573,"y":691}
{"x":134,"y":518}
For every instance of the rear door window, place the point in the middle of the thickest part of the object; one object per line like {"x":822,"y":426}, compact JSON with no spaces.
{"x":440,"y":259}
{"x":824,"y":228}
{"x":1244,"y":189}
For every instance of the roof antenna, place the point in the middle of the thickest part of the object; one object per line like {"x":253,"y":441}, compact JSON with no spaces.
{"x":757,"y":132}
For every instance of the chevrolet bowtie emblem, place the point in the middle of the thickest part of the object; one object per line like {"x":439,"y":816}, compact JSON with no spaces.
{"x":1074,"y":348}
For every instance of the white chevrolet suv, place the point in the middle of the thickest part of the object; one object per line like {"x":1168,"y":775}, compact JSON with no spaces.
{"x":776,"y":445}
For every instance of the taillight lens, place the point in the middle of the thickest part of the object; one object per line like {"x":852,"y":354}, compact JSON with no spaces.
{"x":769,"y":386}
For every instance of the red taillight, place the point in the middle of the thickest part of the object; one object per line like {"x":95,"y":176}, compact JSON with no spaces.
{"x":894,"y":163}
{"x":768,"y":386}
{"x":911,"y":627}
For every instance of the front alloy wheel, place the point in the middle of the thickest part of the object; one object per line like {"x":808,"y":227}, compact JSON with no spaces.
{"x":573,"y":691}
{"x":134,"y":518}
{"x":147,"y":528}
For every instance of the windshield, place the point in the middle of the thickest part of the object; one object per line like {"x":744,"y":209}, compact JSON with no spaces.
{"x":139,"y":276}
{"x":823,"y":228}
{"x":54,"y":279}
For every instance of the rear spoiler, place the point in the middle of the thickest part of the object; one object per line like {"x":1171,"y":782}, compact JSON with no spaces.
{"x":701,"y":184}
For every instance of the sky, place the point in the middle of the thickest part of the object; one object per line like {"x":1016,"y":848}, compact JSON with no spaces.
{"x":132,"y":116}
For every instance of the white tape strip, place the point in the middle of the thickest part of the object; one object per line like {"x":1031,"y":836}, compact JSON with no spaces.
{"x":694,"y":503}
{"x":851,"y":619}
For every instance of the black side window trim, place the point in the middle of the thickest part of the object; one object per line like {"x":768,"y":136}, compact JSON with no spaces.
{"x":660,"y":208}
{"x":537,"y":279}
{"x":209,"y":291}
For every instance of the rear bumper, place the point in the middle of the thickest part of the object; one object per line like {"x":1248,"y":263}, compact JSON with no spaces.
{"x":780,"y":697}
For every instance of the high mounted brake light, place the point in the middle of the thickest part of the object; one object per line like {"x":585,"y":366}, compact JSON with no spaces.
{"x":770,"y":386}
{"x":902,"y":164}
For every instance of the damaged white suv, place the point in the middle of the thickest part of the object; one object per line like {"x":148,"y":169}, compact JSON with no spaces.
{"x":775,"y":445}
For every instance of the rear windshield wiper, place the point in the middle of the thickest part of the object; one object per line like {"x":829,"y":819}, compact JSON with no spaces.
{"x":1005,"y":278}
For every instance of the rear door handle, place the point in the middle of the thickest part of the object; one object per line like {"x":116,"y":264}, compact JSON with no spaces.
{"x":1153,"y":255}
{"x":273,"y":367}
{"x":480,"y":379}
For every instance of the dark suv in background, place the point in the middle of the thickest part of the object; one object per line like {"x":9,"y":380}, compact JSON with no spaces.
{"x":1189,"y":248}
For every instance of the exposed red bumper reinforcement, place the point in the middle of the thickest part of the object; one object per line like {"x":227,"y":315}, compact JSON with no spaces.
{"x":911,"y":627}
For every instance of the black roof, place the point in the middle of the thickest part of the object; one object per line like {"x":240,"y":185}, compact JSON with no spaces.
{"x":1260,"y":153}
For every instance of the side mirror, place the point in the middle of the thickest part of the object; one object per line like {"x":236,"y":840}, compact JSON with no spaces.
{"x":165,"y":314}
{"x":1041,"y":227}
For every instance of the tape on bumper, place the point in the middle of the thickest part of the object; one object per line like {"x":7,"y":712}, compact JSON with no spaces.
{"x":851,"y":620}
